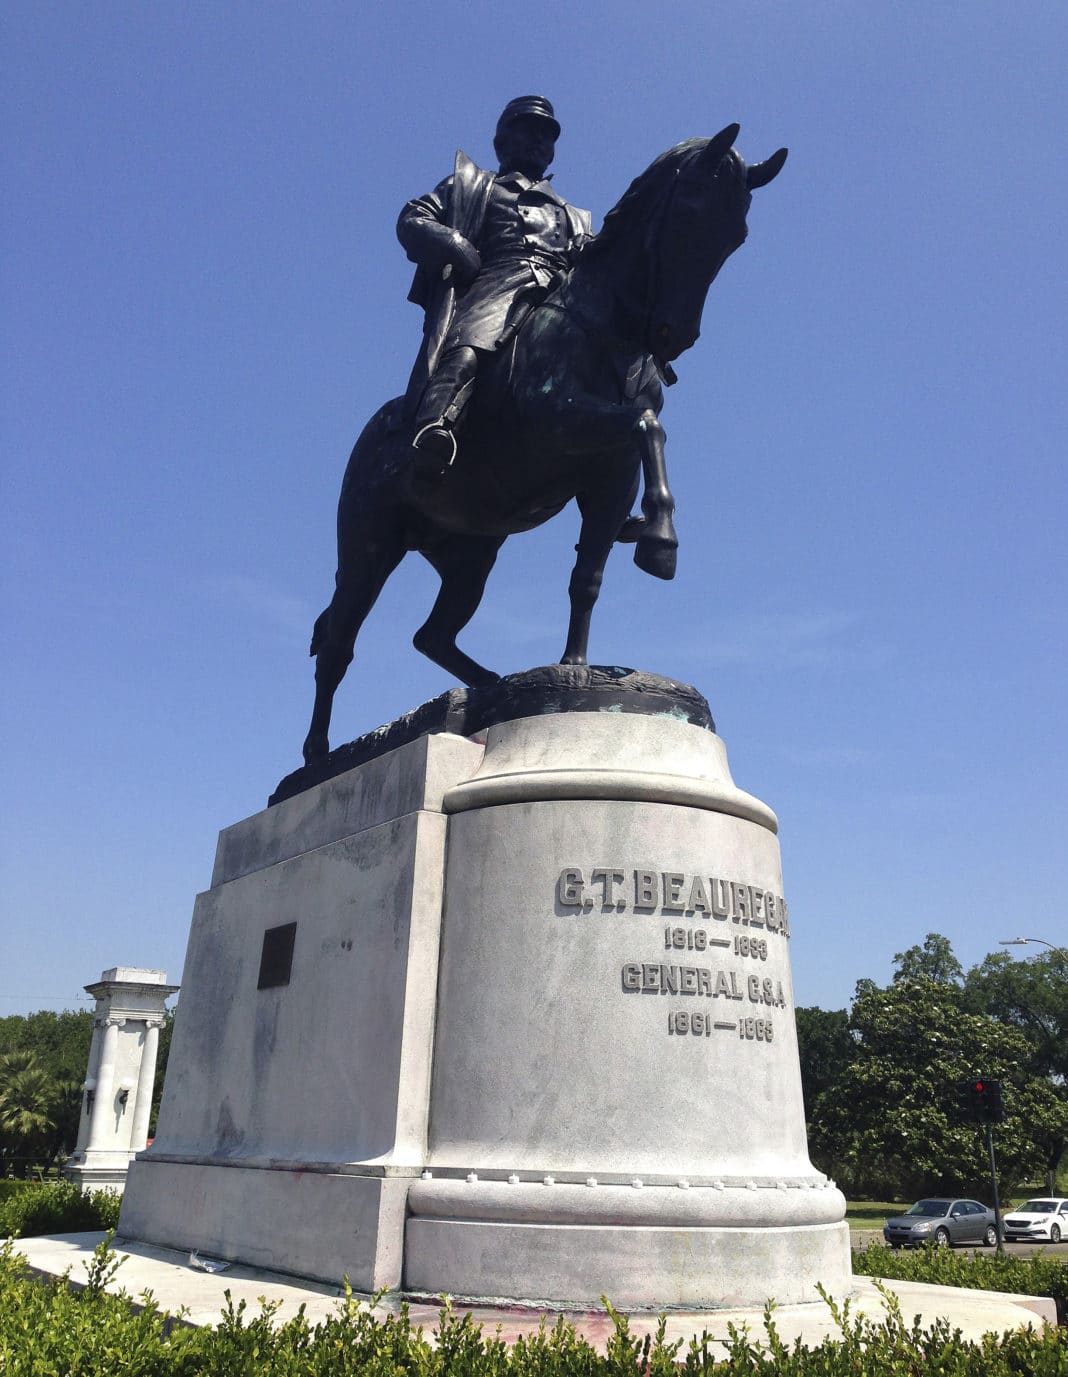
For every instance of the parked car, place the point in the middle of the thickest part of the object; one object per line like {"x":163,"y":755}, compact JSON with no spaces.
{"x":942,"y":1222}
{"x":1042,"y":1218}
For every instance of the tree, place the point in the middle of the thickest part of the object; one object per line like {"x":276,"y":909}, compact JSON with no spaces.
{"x":933,"y":961}
{"x":162,"y":1057}
{"x":59,"y":1041}
{"x":1032,"y":997}
{"x":66,"y":1110}
{"x":890,"y":1127}
{"x":25,"y":1104}
{"x":826,"y":1047}
{"x":58,"y":1044}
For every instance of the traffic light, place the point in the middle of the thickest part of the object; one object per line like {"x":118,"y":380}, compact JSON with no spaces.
{"x":980,"y":1099}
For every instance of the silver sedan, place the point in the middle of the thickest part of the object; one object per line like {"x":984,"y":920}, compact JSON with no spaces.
{"x":944,"y":1222}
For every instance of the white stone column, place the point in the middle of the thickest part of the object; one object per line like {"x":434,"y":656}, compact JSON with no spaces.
{"x":145,"y":1083}
{"x":88,"y":1089}
{"x":101,"y":1129}
{"x":120,"y":1074}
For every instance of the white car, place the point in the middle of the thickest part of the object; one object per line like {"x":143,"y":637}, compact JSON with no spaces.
{"x":1039,"y":1218}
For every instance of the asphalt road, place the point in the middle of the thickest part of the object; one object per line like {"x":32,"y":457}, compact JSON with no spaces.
{"x":860,"y":1238}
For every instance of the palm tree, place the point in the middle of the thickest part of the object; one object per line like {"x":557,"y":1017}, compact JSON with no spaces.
{"x":26,"y":1094}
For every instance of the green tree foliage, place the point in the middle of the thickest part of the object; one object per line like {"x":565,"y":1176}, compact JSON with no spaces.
{"x":60,"y":1042}
{"x":933,"y":961}
{"x":827,"y":1048}
{"x":891,"y":1125}
{"x":58,"y":1048}
{"x":162,"y":1055}
{"x":1032,"y":995}
{"x":883,"y":1119}
{"x":26,"y":1097}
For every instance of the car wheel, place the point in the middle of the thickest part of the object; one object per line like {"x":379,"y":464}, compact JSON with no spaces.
{"x":990,"y":1238}
{"x":895,"y":1246}
{"x":1054,"y":1233}
{"x":941,"y":1238}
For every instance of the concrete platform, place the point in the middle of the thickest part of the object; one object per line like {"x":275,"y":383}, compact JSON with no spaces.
{"x":174,"y":1283}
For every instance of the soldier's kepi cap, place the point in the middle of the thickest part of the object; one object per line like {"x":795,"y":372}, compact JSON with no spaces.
{"x":528,"y":105}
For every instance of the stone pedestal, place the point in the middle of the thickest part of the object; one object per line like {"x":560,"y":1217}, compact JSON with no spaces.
{"x":120,"y":1076}
{"x":501,"y":1016}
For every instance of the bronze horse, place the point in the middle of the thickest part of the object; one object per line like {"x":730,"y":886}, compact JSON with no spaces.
{"x":569,"y":410}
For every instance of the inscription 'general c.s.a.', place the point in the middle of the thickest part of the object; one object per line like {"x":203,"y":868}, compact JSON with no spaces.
{"x":672,"y":892}
{"x":658,"y":977}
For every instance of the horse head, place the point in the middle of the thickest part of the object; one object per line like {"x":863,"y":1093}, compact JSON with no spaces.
{"x":683,"y":218}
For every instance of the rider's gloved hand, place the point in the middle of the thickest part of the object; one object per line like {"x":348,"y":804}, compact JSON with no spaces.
{"x":465,"y":259}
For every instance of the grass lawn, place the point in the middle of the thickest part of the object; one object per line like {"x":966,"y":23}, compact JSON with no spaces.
{"x":871,"y":1214}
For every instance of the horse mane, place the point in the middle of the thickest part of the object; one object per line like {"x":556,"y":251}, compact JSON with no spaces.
{"x":636,"y":207}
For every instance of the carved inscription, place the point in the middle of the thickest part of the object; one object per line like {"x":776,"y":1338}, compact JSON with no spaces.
{"x":668,"y":891}
{"x":653,"y":977}
{"x":752,"y":919}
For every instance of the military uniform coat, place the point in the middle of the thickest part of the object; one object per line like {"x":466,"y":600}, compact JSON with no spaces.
{"x":524,"y":232}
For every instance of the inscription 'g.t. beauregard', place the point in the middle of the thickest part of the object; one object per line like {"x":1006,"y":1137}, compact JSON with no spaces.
{"x":671,"y":891}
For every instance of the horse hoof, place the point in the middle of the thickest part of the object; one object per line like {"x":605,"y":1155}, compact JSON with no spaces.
{"x":657,"y":557}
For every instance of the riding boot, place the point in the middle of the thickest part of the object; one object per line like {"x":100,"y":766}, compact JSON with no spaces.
{"x":440,"y":412}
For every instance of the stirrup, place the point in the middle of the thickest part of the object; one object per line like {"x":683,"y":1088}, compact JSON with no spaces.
{"x":439,"y":429}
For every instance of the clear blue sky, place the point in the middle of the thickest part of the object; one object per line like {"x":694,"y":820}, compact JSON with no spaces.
{"x":203,"y":300}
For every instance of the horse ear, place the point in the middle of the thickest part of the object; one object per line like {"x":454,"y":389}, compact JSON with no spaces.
{"x":760,"y":174}
{"x":717,"y":147}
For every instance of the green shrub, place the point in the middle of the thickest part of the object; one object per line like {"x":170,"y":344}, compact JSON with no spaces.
{"x":48,"y":1328}
{"x":9,"y":1186}
{"x":1026,"y":1276}
{"x":57,"y":1207}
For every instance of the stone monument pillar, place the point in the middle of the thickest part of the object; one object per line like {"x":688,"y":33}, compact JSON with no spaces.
{"x":121,"y":1074}
{"x":503,"y":1012}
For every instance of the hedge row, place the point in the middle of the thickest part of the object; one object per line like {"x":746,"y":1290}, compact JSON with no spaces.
{"x":1026,"y":1276}
{"x":48,"y":1328}
{"x":56,"y":1207}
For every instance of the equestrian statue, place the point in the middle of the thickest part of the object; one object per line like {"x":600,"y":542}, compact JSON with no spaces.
{"x":540,"y":379}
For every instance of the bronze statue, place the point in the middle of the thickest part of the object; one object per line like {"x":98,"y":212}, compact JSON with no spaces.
{"x":570,"y":377}
{"x":487,"y":249}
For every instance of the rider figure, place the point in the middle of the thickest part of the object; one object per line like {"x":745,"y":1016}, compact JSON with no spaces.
{"x":488,"y":248}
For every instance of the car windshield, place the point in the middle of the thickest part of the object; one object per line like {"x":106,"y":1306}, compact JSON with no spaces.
{"x":930,"y":1208}
{"x":1037,"y":1206}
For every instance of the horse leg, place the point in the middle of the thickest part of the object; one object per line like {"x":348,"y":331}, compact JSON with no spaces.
{"x":464,"y":564}
{"x":657,"y":545}
{"x":336,"y":629}
{"x":601,"y":522}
